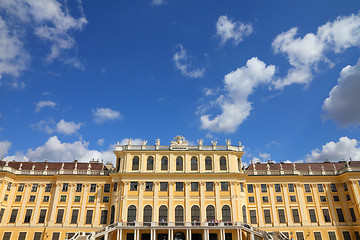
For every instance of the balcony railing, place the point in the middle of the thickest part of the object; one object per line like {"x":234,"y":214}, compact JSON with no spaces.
{"x":51,"y":172}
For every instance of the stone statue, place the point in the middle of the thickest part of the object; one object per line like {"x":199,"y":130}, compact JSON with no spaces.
{"x":89,"y":167}
{"x":46,"y":167}
{"x":129,"y":141}
{"x":157,"y":142}
{"x":144,"y":142}
{"x":228,"y":142}
{"x":214,"y":142}
{"x":200,"y":142}
{"x":33,"y":167}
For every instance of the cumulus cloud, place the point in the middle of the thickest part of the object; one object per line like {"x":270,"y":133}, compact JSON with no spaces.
{"x":343,"y":103}
{"x":44,"y":125}
{"x":43,"y":104}
{"x":306,"y":53}
{"x":135,"y":141}
{"x":238,"y":86}
{"x":102,"y":115}
{"x":227,"y":29}
{"x":50,"y":126}
{"x":183,"y":63}
{"x":158,"y":2}
{"x":100,"y":141}
{"x":67,"y":128}
{"x":4,"y":147}
{"x":345,"y":148}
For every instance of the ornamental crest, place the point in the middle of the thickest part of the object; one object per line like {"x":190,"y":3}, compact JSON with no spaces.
{"x":179,"y":143}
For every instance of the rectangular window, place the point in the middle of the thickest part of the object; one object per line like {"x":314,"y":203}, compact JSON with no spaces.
{"x":340,"y":215}
{"x":150,"y":163}
{"x":326,"y":214}
{"x":9,"y":186}
{"x":65,"y":187}
{"x":22,"y":236}
{"x":148,"y":186}
{"x":163,"y":186}
{"x":208,"y":163}
{"x":250,"y":188}
{"x":13,"y":215}
{"x":135,"y":163}
{"x":309,"y":199}
{"x":115,"y":186}
{"x":281,"y":213}
{"x":296,"y":217}
{"x":21,"y":187}
{"x":263,"y":188}
{"x":106,"y":199}
{"x":277,"y":188}
{"x":7,"y":236}
{"x":77,"y":199}
{"x":89,"y":216}
{"x":279,"y":199}
{"x":320,"y":188}
{"x":357,"y":235}
{"x":6,"y":197}
{"x":223,"y":163}
{"x":265,"y":199}
{"x":299,"y":235}
{"x":179,"y":164}
{"x":194,"y":186}
{"x":55,"y":236}
{"x":333,"y":187}
{"x":312,"y":215}
{"x":291,"y":187}
{"x":32,"y":198}
{"x":267,"y":216}
{"x":346,"y":235}
{"x":60,"y":215}
{"x":133,"y":186}
{"x":317,"y":235}
{"x":34,"y":187}
{"x":179,"y":186}
{"x":209,"y":186}
{"x":348,"y":198}
{"x":2,"y":214}
{"x":253,"y":218}
{"x":307,"y":188}
{"x":107,"y":188}
{"x":194,"y":164}
{"x":48,"y":187}
{"x":79,"y":187}
{"x":103,"y":218}
{"x":224,"y":186}
{"x":336,"y":198}
{"x":251,"y":199}
{"x":28,"y":215}
{"x":332,"y":235}
{"x":63,"y":198}
{"x":164,"y":163}
{"x":352,"y":213}
{"x":18,"y":198}
{"x":42,"y":216}
{"x":322,"y":198}
{"x":241,"y":187}
{"x":93,"y":187}
{"x":46,"y":198}
{"x":91,"y":198}
{"x":345,"y":187}
{"x":74,"y":215}
{"x":37,"y":235}
{"x":292,"y":198}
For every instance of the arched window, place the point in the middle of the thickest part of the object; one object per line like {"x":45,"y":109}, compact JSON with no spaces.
{"x":164,"y":163}
{"x":147,"y":215}
{"x":226,"y":214}
{"x":179,"y":215}
{"x":118,"y":164}
{"x":131,"y":215}
{"x":150,"y":163}
{"x":112,"y":214}
{"x":163,"y":213}
{"x":195,"y":215}
{"x":135,"y":163}
{"x":210,"y":213}
{"x":194,"y":164}
{"x":208,"y":163}
{"x":244,"y":213}
{"x":179,"y":164}
{"x":223,"y":163}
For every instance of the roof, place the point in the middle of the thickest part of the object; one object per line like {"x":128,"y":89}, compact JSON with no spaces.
{"x":328,"y":166}
{"x":54,"y":166}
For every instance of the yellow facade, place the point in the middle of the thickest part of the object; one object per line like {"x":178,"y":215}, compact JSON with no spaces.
{"x":179,"y":192}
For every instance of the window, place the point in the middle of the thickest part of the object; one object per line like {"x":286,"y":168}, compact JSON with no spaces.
{"x":340,"y":215}
{"x":104,"y":216}
{"x":253,"y":218}
{"x":348,"y":198}
{"x":91,"y":198}
{"x":309,"y":199}
{"x":179,"y":164}
{"x":74,"y":215}
{"x":163,"y":186}
{"x":223,"y":163}
{"x":279,"y":199}
{"x":195,"y":214}
{"x":79,"y":187}
{"x":42,"y":216}
{"x":210,"y":213}
{"x":277,"y":188}
{"x":148,"y":186}
{"x":194,"y":164}
{"x":332,"y":235}
{"x":89,"y":216}
{"x":208,"y":163}
{"x":299,"y":235}
{"x":60,"y":215}
{"x":346,"y":235}
{"x":226,"y":213}
{"x":322,"y":198}
{"x":93,"y":187}
{"x":131,"y":214}
{"x":164,"y":163}
{"x":107,"y":188}
{"x":286,"y":234}
{"x":209,"y":186}
{"x":163,"y":212}
{"x":291,"y":187}
{"x":224,"y":186}
{"x":241,"y":187}
{"x":22,"y":236}
{"x":312,"y":215}
{"x":307,"y":188}
{"x":250,"y":188}
{"x":115,"y":186}
{"x":150,"y":163}
{"x":48,"y":187}
{"x":34,"y":187}
{"x":357,"y":235}
{"x":135,"y":163}
{"x":17,"y":198}
{"x":326,"y":214}
{"x":251,"y":199}
{"x":345,"y":187}
{"x":333,"y":187}
{"x":77,"y":198}
{"x":21,"y":187}
{"x":292,"y":198}
{"x":179,"y":215}
{"x":320,"y":188}
{"x":317,"y":235}
{"x":352,"y":213}
{"x":63,"y":198}
{"x":147,"y":217}
{"x":32,"y":198}
{"x":2,"y":214}
{"x":106,"y":199}
{"x":133,"y":186}
{"x":336,"y":198}
{"x":28,"y":215}
{"x":55,"y":236}
{"x":65,"y":187}
{"x":265,"y":199}
{"x":194,"y":186}
{"x":296,"y":217}
{"x":9,"y":186}
{"x":267,"y":216}
{"x":70,"y":235}
{"x":179,"y":186}
{"x":281,"y":213}
{"x":263,"y":188}
{"x":7,"y":236}
{"x":6,"y":196}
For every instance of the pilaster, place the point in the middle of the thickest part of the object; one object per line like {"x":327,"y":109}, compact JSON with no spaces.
{"x":23,"y":204}
{"x":37,"y":205}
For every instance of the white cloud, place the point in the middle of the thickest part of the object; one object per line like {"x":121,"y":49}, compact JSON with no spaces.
{"x":100,"y":141}
{"x":135,"y":141}
{"x":236,"y":30}
{"x":43,"y":104}
{"x":182,"y":62}
{"x":4,"y":147}
{"x":209,"y":91}
{"x":67,"y":128}
{"x":345,"y":148}
{"x":239,"y":85}
{"x":306,"y":53}
{"x":44,"y":125}
{"x":158,"y":2}
{"x":343,"y":103}
{"x":105,"y":114}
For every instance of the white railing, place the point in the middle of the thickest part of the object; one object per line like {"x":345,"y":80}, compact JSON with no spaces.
{"x":168,"y":148}
{"x":48,"y":172}
{"x":303,"y":172}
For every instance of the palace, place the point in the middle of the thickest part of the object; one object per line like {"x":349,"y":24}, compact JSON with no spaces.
{"x":179,"y":192}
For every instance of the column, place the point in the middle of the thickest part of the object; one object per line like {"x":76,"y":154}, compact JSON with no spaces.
{"x":68,"y":205}
{"x":20,"y":217}
{"x":201,"y":163}
{"x":301,"y":202}
{"x":37,"y":205}
{"x":273,"y":208}
{"x":233,"y":202}
{"x":202,"y":203}
{"x":331,"y":205}
{"x":155,"y":213}
{"x":317,"y":204}
{"x":140,"y":210}
{"x":287,"y":205}
{"x":171,"y":210}
{"x":4,"y":186}
{"x":9,"y":202}
{"x":83,"y":204}
{"x":118,"y":202}
{"x":187,"y":203}
{"x":348,"y":219}
{"x":217,"y":201}
{"x":356,"y":193}
{"x":53,"y":205}
{"x":97,"y":206}
{"x":258,"y":205}
{"x":118,"y":234}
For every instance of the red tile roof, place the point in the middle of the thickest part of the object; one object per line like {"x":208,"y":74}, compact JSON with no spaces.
{"x":328,"y":166}
{"x":54,"y":166}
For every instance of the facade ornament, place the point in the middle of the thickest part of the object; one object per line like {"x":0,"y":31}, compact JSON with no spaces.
{"x":46,"y":167}
{"x":33,"y":167}
{"x":268,"y":167}
{"x":200,"y":142}
{"x":130,"y":142}
{"x":214,"y":142}
{"x":179,"y":143}
{"x":228,"y":142}
{"x":89,"y":167}
{"x":294,"y":166}
{"x":322,"y":168}
{"x":75,"y":168}
{"x":118,"y":143}
{"x":281,"y":167}
{"x":240,"y":144}
{"x":7,"y":163}
{"x":254,"y":167}
{"x":157,"y":142}
{"x":62,"y":166}
{"x":20,"y":167}
{"x":144,"y":142}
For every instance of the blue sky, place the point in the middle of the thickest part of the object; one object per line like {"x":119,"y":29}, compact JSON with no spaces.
{"x":282,"y":77}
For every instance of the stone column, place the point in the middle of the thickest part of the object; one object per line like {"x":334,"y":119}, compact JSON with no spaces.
{"x":97,"y":206}
{"x":258,"y":205}
{"x":187,"y":202}
{"x":53,"y":205}
{"x":287,"y":205}
{"x":140,"y":203}
{"x":354,"y":187}
{"x":2,"y":194}
{"x":83,"y":204}
{"x":9,"y":202}
{"x":302,"y":204}
{"x":273,"y":208}
{"x":217,"y":201}
{"x":155,"y":213}
{"x":331,"y":205}
{"x":317,"y":204}
{"x":348,"y":219}
{"x":69,"y":203}
{"x":202,"y":202}
{"x":20,"y":217}
{"x":37,"y":205}
{"x":233,"y":202}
